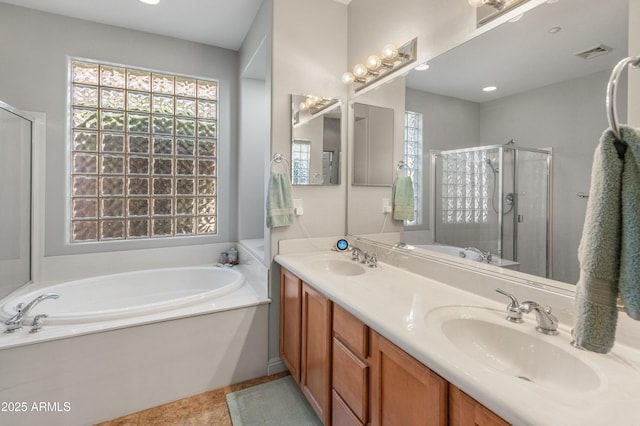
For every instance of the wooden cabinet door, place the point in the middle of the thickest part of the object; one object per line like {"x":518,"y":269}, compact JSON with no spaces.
{"x":404,"y":391}
{"x":466,"y":411}
{"x":290,"y":321}
{"x":316,"y":352}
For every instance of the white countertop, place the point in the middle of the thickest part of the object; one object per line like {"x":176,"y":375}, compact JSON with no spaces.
{"x":395,"y":303}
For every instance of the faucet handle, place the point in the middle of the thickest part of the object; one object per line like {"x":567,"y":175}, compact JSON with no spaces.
{"x":38,"y":322}
{"x":514,"y":312}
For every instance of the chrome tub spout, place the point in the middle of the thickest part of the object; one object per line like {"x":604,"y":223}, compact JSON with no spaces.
{"x":15,"y":322}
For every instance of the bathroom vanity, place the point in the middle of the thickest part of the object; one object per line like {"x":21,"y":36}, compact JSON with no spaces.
{"x":352,"y":375}
{"x":388,"y":346}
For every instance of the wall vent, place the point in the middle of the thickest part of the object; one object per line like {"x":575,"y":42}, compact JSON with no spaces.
{"x":593,"y":52}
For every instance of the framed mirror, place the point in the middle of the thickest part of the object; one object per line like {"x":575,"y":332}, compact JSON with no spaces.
{"x":550,"y":71}
{"x":316,"y":142}
{"x":372,"y":145}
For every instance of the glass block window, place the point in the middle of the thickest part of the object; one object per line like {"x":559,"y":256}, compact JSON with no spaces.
{"x":301,"y":161}
{"x":465,"y":187}
{"x":143,"y":154}
{"x":413,"y":160}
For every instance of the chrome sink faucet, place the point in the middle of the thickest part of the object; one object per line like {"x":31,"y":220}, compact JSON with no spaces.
{"x":15,"y":322}
{"x":547,"y":322}
{"x":358,"y":255}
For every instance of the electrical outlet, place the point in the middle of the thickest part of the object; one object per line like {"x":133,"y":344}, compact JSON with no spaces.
{"x":386,"y":205}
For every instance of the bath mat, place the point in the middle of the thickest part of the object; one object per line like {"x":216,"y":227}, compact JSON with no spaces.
{"x":277,"y":403}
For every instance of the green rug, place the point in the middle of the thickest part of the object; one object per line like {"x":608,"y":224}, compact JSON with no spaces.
{"x":277,"y":403}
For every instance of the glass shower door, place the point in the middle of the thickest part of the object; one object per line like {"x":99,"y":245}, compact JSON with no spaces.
{"x":15,"y":200}
{"x":531,"y":221}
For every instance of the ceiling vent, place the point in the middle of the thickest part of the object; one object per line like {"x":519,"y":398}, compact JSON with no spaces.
{"x":593,"y":52}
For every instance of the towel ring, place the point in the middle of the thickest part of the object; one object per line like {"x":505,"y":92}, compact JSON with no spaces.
{"x":279,"y":159}
{"x":612,"y":112}
{"x":403,"y":165}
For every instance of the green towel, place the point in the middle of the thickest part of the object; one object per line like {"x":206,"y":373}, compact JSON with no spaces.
{"x":629,"y":285}
{"x":279,"y":201}
{"x":599,"y":252}
{"x":610,"y":245}
{"x":403,"y":204}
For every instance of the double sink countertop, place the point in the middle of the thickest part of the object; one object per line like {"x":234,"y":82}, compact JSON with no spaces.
{"x":520,"y":374}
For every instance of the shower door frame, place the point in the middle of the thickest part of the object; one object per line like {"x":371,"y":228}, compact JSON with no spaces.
{"x":31,"y":197}
{"x":500,"y":148}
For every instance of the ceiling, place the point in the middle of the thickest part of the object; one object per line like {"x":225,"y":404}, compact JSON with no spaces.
{"x":222,"y":23}
{"x":523,"y":55}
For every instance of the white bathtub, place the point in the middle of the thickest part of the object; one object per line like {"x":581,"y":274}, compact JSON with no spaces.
{"x":117,"y":344}
{"x":468,"y":255}
{"x":127,"y":294}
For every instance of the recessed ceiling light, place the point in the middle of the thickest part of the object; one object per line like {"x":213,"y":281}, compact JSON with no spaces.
{"x":554,"y":30}
{"x":154,"y":2}
{"x":489,"y":88}
{"x":422,"y":67}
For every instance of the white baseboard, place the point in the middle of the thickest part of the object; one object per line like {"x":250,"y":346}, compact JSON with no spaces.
{"x":275,"y":366}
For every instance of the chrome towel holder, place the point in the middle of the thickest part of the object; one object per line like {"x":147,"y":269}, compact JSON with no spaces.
{"x":612,"y":112}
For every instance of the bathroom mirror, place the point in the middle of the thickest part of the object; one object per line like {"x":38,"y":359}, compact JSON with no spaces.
{"x":372,"y":145}
{"x":550,"y":69}
{"x":315,"y":145}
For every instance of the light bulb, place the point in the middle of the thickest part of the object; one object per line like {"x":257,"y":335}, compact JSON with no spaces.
{"x":311,"y":100}
{"x":348,"y":78}
{"x":389,"y":52}
{"x":360,"y":71}
{"x":476,"y":3}
{"x":374,"y":62}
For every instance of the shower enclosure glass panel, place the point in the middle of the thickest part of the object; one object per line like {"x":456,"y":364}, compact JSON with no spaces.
{"x":15,"y":199}
{"x":496,"y":199}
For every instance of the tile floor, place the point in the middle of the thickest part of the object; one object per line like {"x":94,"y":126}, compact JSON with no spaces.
{"x":209,"y":408}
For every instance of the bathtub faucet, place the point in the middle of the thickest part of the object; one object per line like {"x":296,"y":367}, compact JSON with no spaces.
{"x":15,"y":322}
{"x":484,"y":257}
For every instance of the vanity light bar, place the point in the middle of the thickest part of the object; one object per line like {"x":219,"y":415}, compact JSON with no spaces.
{"x":391,"y":59}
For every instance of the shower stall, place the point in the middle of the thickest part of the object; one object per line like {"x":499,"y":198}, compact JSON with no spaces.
{"x":15,"y":196}
{"x":497,"y":199}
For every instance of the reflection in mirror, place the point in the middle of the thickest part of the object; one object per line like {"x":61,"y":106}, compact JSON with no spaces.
{"x":315,"y":146}
{"x":492,"y":204}
{"x":372,"y":145}
{"x":548,"y":98}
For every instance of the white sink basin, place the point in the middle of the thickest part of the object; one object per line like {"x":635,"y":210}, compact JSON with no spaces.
{"x":339,"y":267}
{"x":488,"y":340}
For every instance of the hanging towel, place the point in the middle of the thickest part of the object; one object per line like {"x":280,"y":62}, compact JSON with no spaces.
{"x":403,"y":204}
{"x":629,"y":285}
{"x":610,"y":245}
{"x":279,"y":201}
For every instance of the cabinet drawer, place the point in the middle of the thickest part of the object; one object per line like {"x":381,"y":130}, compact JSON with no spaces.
{"x":351,"y":380}
{"x":341,"y":415}
{"x":351,"y":331}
